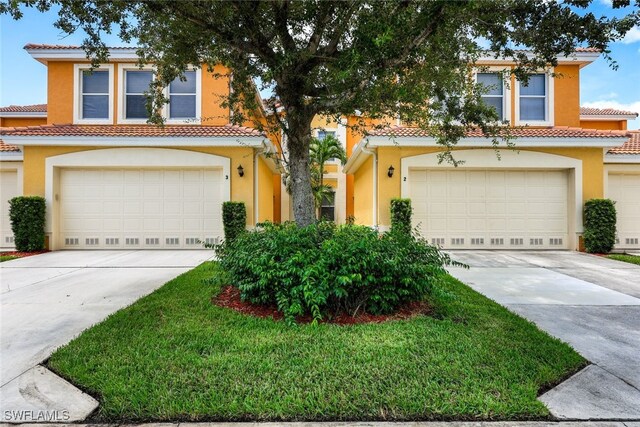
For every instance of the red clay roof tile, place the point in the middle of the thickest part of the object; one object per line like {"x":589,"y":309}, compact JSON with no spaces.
{"x":6,"y":148}
{"x":632,"y":146}
{"x":34,"y":108}
{"x":168,"y":131}
{"x":589,"y":111}
{"x":524,"y":132}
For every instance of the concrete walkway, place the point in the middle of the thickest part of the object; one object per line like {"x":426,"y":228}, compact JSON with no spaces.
{"x":587,"y":301}
{"x":46,"y":300}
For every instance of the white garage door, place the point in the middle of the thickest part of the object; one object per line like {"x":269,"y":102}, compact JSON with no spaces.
{"x":8,"y":190}
{"x":625,"y":190}
{"x":491,"y":209}
{"x":140,"y":208}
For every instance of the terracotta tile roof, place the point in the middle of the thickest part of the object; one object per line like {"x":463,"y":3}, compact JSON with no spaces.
{"x":524,"y":132}
{"x":38,"y":46}
{"x":35,"y":108}
{"x":6,"y":148}
{"x":632,"y":146}
{"x":588,"y":49}
{"x":168,"y":131}
{"x":589,"y":111}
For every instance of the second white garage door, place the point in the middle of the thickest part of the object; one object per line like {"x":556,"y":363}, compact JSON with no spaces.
{"x":625,"y":190}
{"x":140,"y":208}
{"x":487,"y":209}
{"x":8,"y":190}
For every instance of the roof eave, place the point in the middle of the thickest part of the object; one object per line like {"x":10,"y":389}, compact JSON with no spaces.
{"x":140,"y":141}
{"x":622,"y":158}
{"x":608,"y":117}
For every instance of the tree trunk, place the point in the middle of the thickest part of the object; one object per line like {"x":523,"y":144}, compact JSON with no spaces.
{"x":300,"y":173}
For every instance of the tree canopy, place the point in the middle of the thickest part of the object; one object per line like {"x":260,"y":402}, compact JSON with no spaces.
{"x":383,"y":58}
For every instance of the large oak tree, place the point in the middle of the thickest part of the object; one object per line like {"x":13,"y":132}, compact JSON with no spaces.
{"x":384,"y":58}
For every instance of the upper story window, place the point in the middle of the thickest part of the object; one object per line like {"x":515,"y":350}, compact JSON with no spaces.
{"x":135,"y":101}
{"x":328,"y":207}
{"x":93,"y":100}
{"x":495,"y":92}
{"x":535,"y":105}
{"x":322,"y":134}
{"x":182,"y":97}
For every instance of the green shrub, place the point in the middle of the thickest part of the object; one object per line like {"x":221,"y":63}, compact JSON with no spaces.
{"x":27,"y":216}
{"x":401,"y":215}
{"x":234,"y":219}
{"x":322,"y":270}
{"x":599,"y":225}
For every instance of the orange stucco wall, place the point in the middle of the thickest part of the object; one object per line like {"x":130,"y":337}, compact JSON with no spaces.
{"x":604,"y":124}
{"x":22,"y":121}
{"x":567,"y":96}
{"x":60,"y":92}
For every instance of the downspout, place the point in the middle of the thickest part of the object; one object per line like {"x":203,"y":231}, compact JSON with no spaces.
{"x":374,"y":216}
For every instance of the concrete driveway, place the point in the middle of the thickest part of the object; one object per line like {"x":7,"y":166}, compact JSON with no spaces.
{"x":46,"y":300}
{"x":590,"y":302}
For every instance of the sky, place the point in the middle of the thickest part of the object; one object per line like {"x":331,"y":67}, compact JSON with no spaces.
{"x":23,"y":79}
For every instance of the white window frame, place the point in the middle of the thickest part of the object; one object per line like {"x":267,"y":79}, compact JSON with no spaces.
{"x":198,"y":118}
{"x":123,"y":68}
{"x":77,"y":96}
{"x":506,"y":88}
{"x":122,"y":114}
{"x":549,"y":104}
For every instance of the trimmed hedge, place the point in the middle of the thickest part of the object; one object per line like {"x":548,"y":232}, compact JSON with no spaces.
{"x":234,"y":219}
{"x":27,"y":216}
{"x":599,"y":225}
{"x":401,"y":215}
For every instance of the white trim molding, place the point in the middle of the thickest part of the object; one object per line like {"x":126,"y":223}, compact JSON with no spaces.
{"x":23,"y":115}
{"x":507,"y":91}
{"x":123,"y":158}
{"x":622,"y":158}
{"x":77,"y":95}
{"x":514,"y":160}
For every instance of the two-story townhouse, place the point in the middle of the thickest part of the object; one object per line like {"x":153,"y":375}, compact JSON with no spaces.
{"x":112,"y":181}
{"x":531,"y":197}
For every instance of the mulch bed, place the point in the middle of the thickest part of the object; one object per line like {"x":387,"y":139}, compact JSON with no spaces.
{"x":229,"y":297}
{"x":22,"y":254}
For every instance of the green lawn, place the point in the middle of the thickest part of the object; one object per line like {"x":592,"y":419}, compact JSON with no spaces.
{"x":633,"y":259}
{"x":4,"y":258}
{"x":175,"y":356}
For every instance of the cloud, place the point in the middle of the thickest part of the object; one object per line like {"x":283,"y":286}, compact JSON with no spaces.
{"x":608,"y":96}
{"x":608,"y":3}
{"x":632,"y":36}
{"x":632,"y":106}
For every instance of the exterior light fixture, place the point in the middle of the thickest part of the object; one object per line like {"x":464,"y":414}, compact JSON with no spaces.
{"x":240,"y":171}
{"x":390,"y":171}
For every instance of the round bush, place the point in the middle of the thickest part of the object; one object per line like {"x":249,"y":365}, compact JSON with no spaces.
{"x":323,"y":270}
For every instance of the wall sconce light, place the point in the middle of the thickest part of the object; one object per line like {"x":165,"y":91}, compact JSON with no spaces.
{"x":240,"y":171}
{"x":390,"y":171}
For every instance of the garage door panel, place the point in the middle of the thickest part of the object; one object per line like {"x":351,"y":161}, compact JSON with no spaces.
{"x":140,"y":208}
{"x":491,"y":209}
{"x":624,"y":189}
